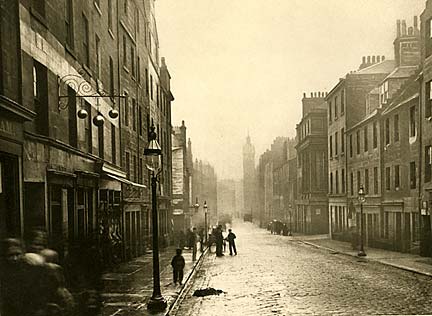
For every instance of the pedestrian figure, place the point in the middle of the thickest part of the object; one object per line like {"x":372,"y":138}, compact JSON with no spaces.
{"x":178,"y":264}
{"x":232,"y":247}
{"x":219,"y":241}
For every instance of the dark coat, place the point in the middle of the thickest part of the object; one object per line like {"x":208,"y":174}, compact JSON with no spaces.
{"x":178,"y":262}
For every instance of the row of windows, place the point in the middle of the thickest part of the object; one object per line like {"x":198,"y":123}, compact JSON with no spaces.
{"x":335,"y":138}
{"x":138,"y":171}
{"x":336,"y":106}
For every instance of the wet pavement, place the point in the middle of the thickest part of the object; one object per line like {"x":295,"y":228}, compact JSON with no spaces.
{"x":280,"y":275}
{"x":128,"y":289}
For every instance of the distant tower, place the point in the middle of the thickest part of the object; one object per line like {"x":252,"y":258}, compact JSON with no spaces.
{"x":248,"y":175}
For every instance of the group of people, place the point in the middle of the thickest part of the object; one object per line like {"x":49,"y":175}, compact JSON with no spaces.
{"x":32,"y":282}
{"x":178,"y":261}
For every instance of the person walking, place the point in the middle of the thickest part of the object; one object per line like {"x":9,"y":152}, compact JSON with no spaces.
{"x":219,"y":241}
{"x":231,"y":241}
{"x":178,"y":264}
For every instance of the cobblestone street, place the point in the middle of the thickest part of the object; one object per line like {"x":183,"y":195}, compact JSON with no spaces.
{"x":279,"y":275}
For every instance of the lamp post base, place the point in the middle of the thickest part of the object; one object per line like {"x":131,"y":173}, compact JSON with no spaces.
{"x":157,"y":304}
{"x":361,"y":253}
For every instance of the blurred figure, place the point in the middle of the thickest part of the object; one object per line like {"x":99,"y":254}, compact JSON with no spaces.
{"x":231,"y":240}
{"x":219,"y":241}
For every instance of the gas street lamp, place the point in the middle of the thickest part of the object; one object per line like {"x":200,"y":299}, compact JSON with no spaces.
{"x":361,"y":199}
{"x":153,"y":153}
{"x":205,"y":220}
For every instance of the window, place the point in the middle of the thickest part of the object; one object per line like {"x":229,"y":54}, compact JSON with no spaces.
{"x":351,"y":145}
{"x":331,"y":146}
{"x":428,"y":101}
{"x":428,"y":163}
{"x":337,"y":182}
{"x":366,"y":181}
{"x":72,"y":121}
{"x":111,"y":74}
{"x":387,"y":131}
{"x":98,"y":56}
{"x":428,"y":40}
{"x":336,"y":107}
{"x":412,"y":126}
{"x":133,"y":60}
{"x":331,"y":182}
{"x":40,"y":95}
{"x":110,"y":15}
{"x":342,"y":140}
{"x":134,"y":114}
{"x":343,"y":181}
{"x":330,"y":111}
{"x":413,"y":176}
{"x":146,"y":81}
{"x":358,"y":180}
{"x":86,"y":41}
{"x":113,"y":144}
{"x":358,"y":142}
{"x":396,"y":177}
{"x":127,"y":165}
{"x":365,"y":140}
{"x":342,"y":101}
{"x":336,"y":144}
{"x":375,"y":135}
{"x":101,"y":142}
{"x":396,"y":128}
{"x":124,"y":51}
{"x":140,"y":122}
{"x":126,"y":111}
{"x":139,"y":69}
{"x":352,"y":183}
{"x":88,"y":127}
{"x":384,"y":92}
{"x":69,"y":24}
{"x":375,"y":175}
{"x":125,"y":7}
{"x":387,"y":178}
{"x":140,"y":171}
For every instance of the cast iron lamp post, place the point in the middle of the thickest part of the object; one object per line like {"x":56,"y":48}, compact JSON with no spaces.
{"x":196,"y":207}
{"x":205,"y":220}
{"x":362,"y":199}
{"x":153,"y":153}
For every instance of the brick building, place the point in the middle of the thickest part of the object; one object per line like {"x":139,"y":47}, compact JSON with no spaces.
{"x":81,"y":67}
{"x":311,"y":213}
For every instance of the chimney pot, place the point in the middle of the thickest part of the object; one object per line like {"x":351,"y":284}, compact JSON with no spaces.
{"x":304,"y":94}
{"x":398,"y":23}
{"x":410,"y":30}
{"x":311,"y":94}
{"x":404,"y":28}
{"x":368,"y":60}
{"x":382,"y":57}
{"x":415,"y":22}
{"x":378,"y":59}
{"x":373,"y":59}
{"x":364,"y":59}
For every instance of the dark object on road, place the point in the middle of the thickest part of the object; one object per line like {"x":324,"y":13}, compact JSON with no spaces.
{"x":207,"y":292}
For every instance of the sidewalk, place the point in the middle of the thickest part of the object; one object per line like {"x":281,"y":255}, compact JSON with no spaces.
{"x":128,"y":288}
{"x":405,"y":261}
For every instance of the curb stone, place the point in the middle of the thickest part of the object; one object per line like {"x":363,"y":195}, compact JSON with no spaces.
{"x":402,"y":267}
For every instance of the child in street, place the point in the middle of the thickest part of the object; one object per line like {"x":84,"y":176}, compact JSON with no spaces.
{"x":178,"y":264}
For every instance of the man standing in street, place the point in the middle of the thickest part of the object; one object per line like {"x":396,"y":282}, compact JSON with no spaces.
{"x":231,"y":236}
{"x":219,"y":241}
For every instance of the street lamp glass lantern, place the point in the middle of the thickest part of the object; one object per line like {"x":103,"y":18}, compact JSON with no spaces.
{"x":153,"y":152}
{"x":361,"y":194}
{"x":196,"y":205}
{"x":205,"y":206}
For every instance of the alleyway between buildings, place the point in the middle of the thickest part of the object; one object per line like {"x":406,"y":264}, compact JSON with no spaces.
{"x":280,"y":275}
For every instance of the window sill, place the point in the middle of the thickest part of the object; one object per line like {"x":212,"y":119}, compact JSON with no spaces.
{"x":97,"y":8}
{"x":126,"y":69}
{"x":110,"y":32}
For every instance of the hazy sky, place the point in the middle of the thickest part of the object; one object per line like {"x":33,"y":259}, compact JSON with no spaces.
{"x":240,"y":65}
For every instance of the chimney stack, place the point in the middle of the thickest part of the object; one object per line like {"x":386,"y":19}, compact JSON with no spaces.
{"x":368,"y":60}
{"x":398,"y":27}
{"x":378,"y":59}
{"x":415,"y":22}
{"x":373,"y":59}
{"x":404,"y":28}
